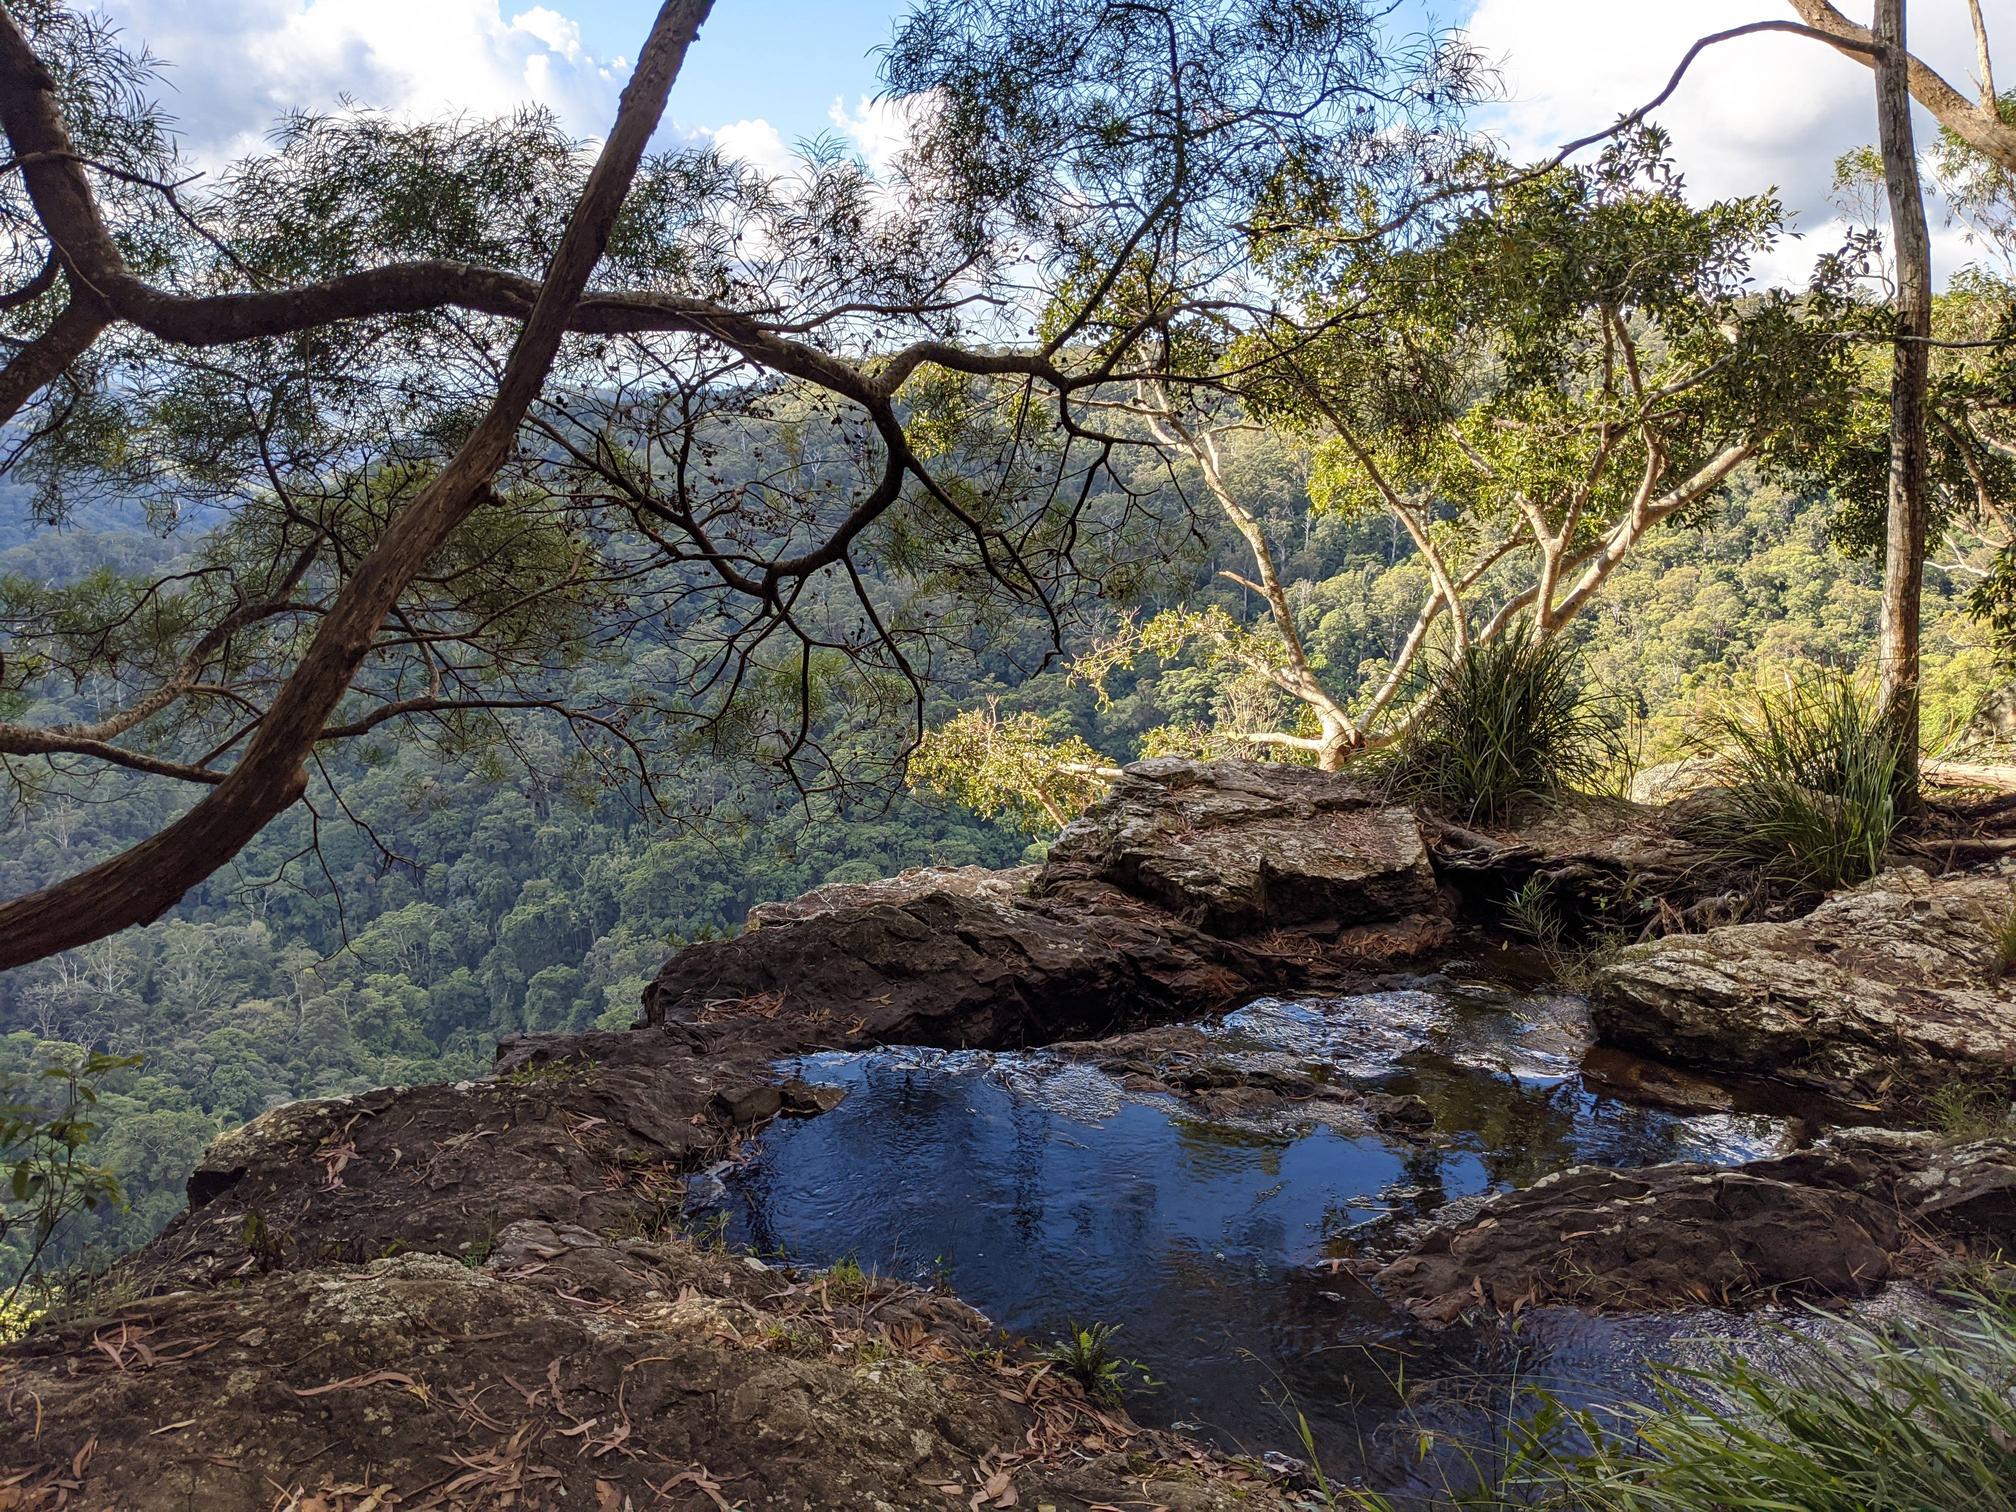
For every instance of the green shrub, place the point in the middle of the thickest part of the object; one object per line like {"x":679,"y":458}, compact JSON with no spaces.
{"x":1508,"y":724}
{"x":45,"y":1179}
{"x":1804,"y":784}
{"x":1085,"y":1353}
{"x":1910,"y":1416}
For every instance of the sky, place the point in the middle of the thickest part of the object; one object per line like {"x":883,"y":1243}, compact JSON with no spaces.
{"x":1755,"y":114}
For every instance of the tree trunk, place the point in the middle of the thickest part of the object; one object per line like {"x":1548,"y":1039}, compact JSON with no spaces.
{"x":138,"y":885}
{"x":1904,"y":544}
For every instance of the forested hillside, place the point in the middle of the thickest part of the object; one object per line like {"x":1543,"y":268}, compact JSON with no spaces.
{"x":572,"y":682}
{"x":444,"y":902}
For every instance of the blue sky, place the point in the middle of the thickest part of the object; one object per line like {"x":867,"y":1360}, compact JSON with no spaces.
{"x":1759,"y":114}
{"x":784,"y":60}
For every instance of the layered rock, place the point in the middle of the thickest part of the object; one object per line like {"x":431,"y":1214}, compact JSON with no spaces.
{"x":1190,"y":886}
{"x":1890,"y":990}
{"x":1834,"y":1221}
{"x":947,"y":957}
{"x":1238,"y":847}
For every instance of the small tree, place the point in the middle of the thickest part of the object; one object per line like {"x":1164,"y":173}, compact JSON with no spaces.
{"x":45,"y":1178}
{"x":1575,"y":359}
{"x":1026,"y":767}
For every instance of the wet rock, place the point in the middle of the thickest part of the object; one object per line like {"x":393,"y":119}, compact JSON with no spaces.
{"x":750,"y":1104}
{"x":1225,"y":1077}
{"x":1887,"y":991}
{"x":1619,"y":1073}
{"x":1835,"y":1221}
{"x":1238,"y":847}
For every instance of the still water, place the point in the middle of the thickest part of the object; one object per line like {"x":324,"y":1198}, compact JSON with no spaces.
{"x":1042,"y":1191}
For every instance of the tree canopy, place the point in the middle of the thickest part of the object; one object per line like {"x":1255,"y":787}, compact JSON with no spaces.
{"x":471,"y":406}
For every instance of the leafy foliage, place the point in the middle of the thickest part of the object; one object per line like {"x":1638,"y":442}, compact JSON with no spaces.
{"x":47,"y":1179}
{"x":1086,"y":1354}
{"x":1026,"y":767}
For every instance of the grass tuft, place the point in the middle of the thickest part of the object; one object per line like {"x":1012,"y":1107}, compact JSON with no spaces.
{"x":1907,"y":1416}
{"x":1507,"y":725}
{"x":1805,"y":785}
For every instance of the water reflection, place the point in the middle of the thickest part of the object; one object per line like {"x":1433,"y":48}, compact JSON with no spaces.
{"x":1046,"y":1191}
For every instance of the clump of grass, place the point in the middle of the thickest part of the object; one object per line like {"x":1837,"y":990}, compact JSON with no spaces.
{"x":846,"y":1281}
{"x":1912,"y":1415}
{"x":1805,"y":784}
{"x":1086,"y":1354}
{"x":2005,"y":944}
{"x":1965,"y":1111}
{"x":1509,"y":724}
{"x":1906,"y":1416}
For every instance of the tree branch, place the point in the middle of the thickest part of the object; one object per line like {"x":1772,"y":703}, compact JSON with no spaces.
{"x":142,"y":883}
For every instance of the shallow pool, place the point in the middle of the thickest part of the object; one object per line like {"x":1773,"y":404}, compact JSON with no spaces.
{"x":1044,"y":1190}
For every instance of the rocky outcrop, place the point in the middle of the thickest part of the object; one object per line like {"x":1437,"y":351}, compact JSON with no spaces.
{"x":1887,"y":991}
{"x":1190,"y":886}
{"x":567,"y":1368}
{"x":594,"y":1130}
{"x":476,"y":1294}
{"x":479,"y":1295}
{"x":945,"y":957}
{"x":1238,"y":847}
{"x":1601,"y":864}
{"x":1838,"y":1220}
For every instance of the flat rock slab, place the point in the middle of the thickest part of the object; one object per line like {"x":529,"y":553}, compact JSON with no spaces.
{"x":1889,"y":991}
{"x":1238,"y":847}
{"x":595,"y":1130}
{"x":946,"y":957}
{"x":1191,"y":886}
{"x":1838,"y":1220}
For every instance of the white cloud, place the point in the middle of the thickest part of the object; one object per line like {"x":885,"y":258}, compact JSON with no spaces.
{"x":757,"y":143}
{"x":1760,"y":112}
{"x":879,"y":130}
{"x":240,"y":64}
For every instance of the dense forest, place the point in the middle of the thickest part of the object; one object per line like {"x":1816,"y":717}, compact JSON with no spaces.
{"x":450,"y":901}
{"x":428,"y":714}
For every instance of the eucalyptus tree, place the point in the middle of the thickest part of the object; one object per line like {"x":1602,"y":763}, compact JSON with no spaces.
{"x":1986,"y":123}
{"x":442,"y":409}
{"x":1970,"y":409}
{"x":1908,"y":510}
{"x":1571,"y":359}
{"x":1985,"y":127}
